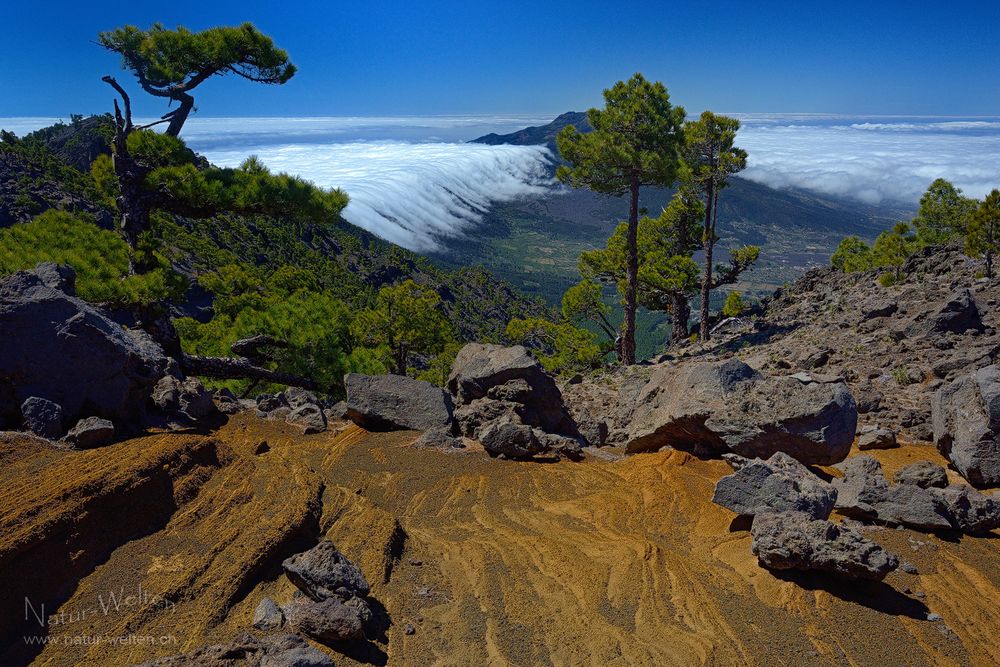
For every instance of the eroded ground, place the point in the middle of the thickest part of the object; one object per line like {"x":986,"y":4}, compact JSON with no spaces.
{"x":491,"y":561}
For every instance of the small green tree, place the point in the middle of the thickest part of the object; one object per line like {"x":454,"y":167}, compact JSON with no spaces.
{"x":406,"y":320}
{"x":943,"y":214}
{"x":560,"y":346}
{"x":584,"y":302}
{"x":983,"y":235}
{"x":852,"y":255}
{"x":636,"y":141}
{"x":734,"y":306}
{"x":712,"y":157}
{"x":171,"y":63}
{"x":892,"y":248}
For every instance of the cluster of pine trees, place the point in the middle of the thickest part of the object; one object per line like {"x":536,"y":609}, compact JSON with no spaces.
{"x":640,"y":139}
{"x":945,"y":215}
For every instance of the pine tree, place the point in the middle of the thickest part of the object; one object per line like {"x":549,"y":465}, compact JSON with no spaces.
{"x":636,"y":141}
{"x":943,"y":214}
{"x":983,"y":235}
{"x":712,"y":158}
{"x":171,"y":63}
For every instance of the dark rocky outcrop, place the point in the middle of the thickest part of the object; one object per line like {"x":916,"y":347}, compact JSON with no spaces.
{"x":797,"y":541}
{"x":91,"y":432}
{"x":489,"y":381}
{"x":958,"y":314}
{"x":923,"y":474}
{"x":966,"y":422}
{"x":513,"y":440}
{"x":779,"y":484}
{"x":874,"y":437}
{"x":396,"y":402}
{"x":309,"y":417}
{"x":42,"y":417}
{"x":713,"y":407}
{"x":324,"y":572}
{"x":282,"y":650}
{"x":187,"y":397}
{"x":268,"y":615}
{"x":920,"y":502}
{"x":61,"y":349}
{"x":328,"y":621}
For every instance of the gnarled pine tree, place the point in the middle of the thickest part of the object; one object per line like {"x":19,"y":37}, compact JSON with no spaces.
{"x":172,"y":63}
{"x":636,"y":141}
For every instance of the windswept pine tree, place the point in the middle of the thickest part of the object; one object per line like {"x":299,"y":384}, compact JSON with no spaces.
{"x":712,"y":157}
{"x":171,"y":63}
{"x":636,"y":141}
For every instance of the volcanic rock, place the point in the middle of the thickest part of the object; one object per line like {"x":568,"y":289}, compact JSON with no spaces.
{"x":324,"y":572}
{"x":923,"y":474}
{"x":43,"y":418}
{"x":395,"y":402}
{"x":779,"y":484}
{"x":966,"y":421}
{"x":91,"y":432}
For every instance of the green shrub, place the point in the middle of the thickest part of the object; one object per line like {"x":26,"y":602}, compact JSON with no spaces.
{"x":99,"y":257}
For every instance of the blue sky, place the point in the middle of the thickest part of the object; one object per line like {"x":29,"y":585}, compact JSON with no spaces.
{"x":389,"y":58}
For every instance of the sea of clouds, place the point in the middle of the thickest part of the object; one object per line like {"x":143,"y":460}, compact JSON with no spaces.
{"x":414,"y":180}
{"x":873,"y":160}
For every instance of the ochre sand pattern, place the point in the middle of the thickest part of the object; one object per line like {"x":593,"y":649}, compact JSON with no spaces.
{"x":504,"y":563}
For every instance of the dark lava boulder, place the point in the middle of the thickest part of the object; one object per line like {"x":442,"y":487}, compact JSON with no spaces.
{"x":43,"y":418}
{"x":277,"y":650}
{"x":966,"y":420}
{"x":323,"y":572}
{"x":710,"y":408}
{"x":327,"y":621}
{"x":90,"y":432}
{"x":796,"y":541}
{"x":779,"y":484}
{"x":507,"y":437}
{"x":864,"y":493}
{"x":57,"y":347}
{"x":396,"y":402}
{"x":488,"y":381}
{"x":924,"y":474}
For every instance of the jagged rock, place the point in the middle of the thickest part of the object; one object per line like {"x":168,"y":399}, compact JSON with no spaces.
{"x":957,"y":315}
{"x":296,"y":397}
{"x":779,"y":484}
{"x":864,"y":493}
{"x":267,"y":403}
{"x":966,"y":423}
{"x":862,"y":487}
{"x":868,"y":399}
{"x":923,"y":474}
{"x":880,"y":309}
{"x":514,"y":440}
{"x":796,"y":541}
{"x":560,"y":444}
{"x":469,"y":418}
{"x":712,"y":407}
{"x":327,"y":621}
{"x":324,"y":572}
{"x":510,"y":376}
{"x":283,"y":650}
{"x":309,"y":417}
{"x":393,"y":402}
{"x":42,"y":417}
{"x":57,"y":276}
{"x":817,"y":359}
{"x":438,"y":439}
{"x":337,"y":411}
{"x":91,"y":432}
{"x":969,"y":510}
{"x":268,"y":615}
{"x":876,"y":438}
{"x":57,"y":347}
{"x":188,"y":397}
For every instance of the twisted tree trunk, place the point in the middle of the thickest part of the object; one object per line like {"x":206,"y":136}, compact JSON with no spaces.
{"x":631,"y":274}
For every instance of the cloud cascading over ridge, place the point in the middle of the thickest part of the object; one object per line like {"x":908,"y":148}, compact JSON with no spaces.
{"x":872,"y":160}
{"x":412,"y":194}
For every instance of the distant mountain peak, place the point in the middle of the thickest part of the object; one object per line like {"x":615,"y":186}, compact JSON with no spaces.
{"x":538,"y":135}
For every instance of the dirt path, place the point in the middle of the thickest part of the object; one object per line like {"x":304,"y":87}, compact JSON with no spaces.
{"x":502,"y":563}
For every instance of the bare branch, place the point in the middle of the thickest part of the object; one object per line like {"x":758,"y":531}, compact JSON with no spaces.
{"x":110,"y":80}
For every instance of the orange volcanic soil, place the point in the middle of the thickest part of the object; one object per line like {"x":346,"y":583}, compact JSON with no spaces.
{"x":491,"y":561}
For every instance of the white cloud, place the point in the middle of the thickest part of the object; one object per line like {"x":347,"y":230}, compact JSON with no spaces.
{"x":411,"y":194}
{"x":873,"y":161}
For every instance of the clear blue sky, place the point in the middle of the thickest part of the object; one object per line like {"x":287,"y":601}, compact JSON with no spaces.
{"x":412,"y":58}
